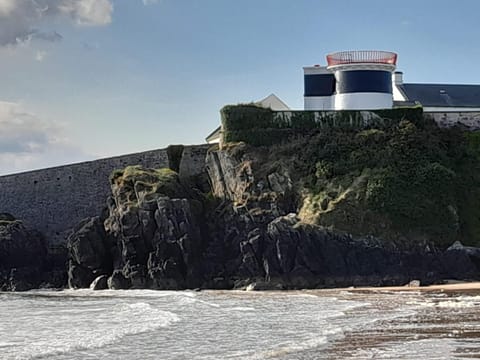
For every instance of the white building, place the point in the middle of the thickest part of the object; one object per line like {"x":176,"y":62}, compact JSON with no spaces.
{"x":352,"y":80}
{"x":367,"y":80}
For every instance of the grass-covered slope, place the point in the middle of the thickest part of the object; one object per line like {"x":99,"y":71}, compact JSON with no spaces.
{"x":411,"y":181}
{"x":134,"y":184}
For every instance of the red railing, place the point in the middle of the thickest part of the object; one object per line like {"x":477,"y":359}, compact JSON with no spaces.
{"x":362,"y":56}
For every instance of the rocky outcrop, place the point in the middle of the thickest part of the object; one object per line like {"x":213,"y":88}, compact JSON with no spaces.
{"x":160,"y":234}
{"x":149,"y":239}
{"x":258,"y":237}
{"x":90,"y":253}
{"x":100,"y":283}
{"x":24,"y":260}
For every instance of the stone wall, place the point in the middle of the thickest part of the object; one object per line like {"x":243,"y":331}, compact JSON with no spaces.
{"x":468,"y":119}
{"x":54,"y":200}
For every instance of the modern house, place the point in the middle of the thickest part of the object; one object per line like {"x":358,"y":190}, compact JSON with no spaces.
{"x":352,"y":80}
{"x":367,"y":80}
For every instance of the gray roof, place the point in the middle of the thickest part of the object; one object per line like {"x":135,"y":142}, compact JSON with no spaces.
{"x":443,"y":95}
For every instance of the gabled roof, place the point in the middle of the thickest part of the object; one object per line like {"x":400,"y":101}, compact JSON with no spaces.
{"x":273,"y":102}
{"x":214,"y":136}
{"x":443,"y":95}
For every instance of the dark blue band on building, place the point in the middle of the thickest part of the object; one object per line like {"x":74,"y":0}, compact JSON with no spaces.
{"x":376,"y":81}
{"x":319,"y":84}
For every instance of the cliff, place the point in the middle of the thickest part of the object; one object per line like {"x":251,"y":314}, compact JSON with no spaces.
{"x":359,"y":199}
{"x":330,"y":207}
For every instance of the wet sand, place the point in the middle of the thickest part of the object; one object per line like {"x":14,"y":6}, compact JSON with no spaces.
{"x":413,"y":322}
{"x":457,"y":287}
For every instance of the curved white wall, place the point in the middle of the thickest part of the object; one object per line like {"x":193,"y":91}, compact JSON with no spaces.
{"x":363,"y":101}
{"x":318,"y":103}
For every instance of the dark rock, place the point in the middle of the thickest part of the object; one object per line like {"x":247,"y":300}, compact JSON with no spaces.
{"x":117,"y":281}
{"x":468,"y":257}
{"x":265,"y":286}
{"x":79,"y":276}
{"x":23,"y":255}
{"x":6,"y":217}
{"x":87,"y":245}
{"x":23,"y":279}
{"x":100,"y":283}
{"x":158,"y":235}
{"x":413,"y":283}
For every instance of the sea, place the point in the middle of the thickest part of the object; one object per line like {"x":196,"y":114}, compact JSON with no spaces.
{"x":316,"y":324}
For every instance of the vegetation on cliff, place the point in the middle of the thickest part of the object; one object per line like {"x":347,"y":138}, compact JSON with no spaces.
{"x":395,"y":189}
{"x":402,"y":179}
{"x":139,"y":184}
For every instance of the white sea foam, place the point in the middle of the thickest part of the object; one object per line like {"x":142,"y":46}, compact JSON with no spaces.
{"x":456,"y":302}
{"x":110,"y":293}
{"x":312,"y":341}
{"x":58,"y":333}
{"x":241,"y":308}
{"x":211,"y":325}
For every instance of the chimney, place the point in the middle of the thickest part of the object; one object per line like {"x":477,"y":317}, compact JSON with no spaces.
{"x":398,"y":78}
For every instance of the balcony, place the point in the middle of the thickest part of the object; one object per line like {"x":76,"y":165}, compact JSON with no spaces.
{"x":362,"y":57}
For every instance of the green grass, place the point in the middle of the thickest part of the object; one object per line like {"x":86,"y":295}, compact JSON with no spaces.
{"x":410,"y":180}
{"x":135,"y":180}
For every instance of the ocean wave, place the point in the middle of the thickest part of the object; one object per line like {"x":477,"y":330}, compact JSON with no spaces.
{"x":84,"y":332}
{"x":315,"y":341}
{"x":241,"y":308}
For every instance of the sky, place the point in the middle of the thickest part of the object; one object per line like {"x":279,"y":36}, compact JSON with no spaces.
{"x":86,"y":79}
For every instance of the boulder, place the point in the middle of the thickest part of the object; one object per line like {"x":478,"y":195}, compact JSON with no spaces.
{"x":100,"y":283}
{"x":265,"y":286}
{"x":87,"y":245}
{"x":23,"y":255}
{"x":117,"y":281}
{"x":79,"y":276}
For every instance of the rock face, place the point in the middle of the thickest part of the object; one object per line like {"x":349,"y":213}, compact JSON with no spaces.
{"x":160,"y":233}
{"x":149,"y":239}
{"x":23,"y":256}
{"x":257,"y":237}
{"x":100,"y":283}
{"x":89,"y":253}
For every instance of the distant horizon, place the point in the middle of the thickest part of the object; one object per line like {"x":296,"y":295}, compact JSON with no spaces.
{"x":90,"y":79}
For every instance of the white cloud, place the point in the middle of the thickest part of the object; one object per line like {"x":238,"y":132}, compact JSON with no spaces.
{"x":88,"y":12}
{"x":27,"y":141}
{"x":6,"y":7}
{"x":21,"y":20}
{"x":40,"y":55}
{"x":149,"y":2}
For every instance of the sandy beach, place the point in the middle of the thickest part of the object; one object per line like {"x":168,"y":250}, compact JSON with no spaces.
{"x":454,"y":286}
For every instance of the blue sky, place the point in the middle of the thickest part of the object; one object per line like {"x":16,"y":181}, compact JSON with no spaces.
{"x":83,"y":79}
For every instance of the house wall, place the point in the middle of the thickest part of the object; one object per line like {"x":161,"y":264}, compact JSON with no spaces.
{"x":467,"y":119}
{"x":54,"y":200}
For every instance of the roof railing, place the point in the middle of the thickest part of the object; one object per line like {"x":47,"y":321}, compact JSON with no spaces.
{"x":362,"y":57}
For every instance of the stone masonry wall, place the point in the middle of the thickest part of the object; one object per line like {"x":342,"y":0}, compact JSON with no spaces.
{"x":468,"y":119}
{"x":54,"y":200}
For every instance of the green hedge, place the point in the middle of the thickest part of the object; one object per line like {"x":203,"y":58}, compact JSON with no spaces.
{"x":244,"y":117}
{"x":261,"y":126}
{"x":259,"y":137}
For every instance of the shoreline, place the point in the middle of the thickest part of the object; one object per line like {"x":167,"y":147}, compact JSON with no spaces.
{"x":460,"y":286}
